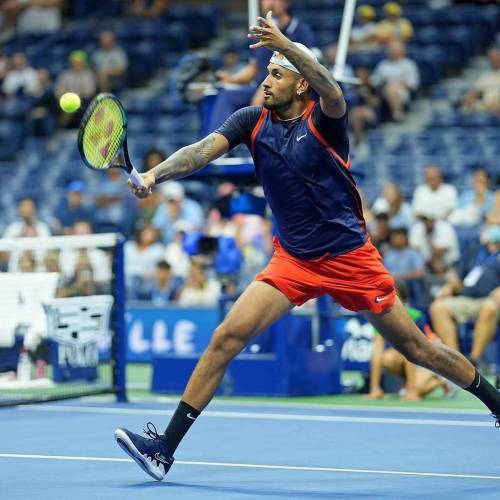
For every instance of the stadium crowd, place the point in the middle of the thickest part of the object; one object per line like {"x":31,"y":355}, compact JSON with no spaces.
{"x":189,"y":245}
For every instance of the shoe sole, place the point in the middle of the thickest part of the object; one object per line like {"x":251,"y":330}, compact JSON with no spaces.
{"x":126,"y":444}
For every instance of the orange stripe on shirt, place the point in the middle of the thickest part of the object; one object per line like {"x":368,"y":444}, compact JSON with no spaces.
{"x":314,"y":130}
{"x":257,"y":127}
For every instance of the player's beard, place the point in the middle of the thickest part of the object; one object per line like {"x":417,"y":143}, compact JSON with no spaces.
{"x":277,"y":103}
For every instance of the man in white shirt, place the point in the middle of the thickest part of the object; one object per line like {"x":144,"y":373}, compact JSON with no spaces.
{"x":21,"y":79}
{"x":110,"y":62}
{"x":435,"y":239}
{"x":484,"y":97}
{"x":397,"y":77}
{"x":435,"y":193}
{"x":28,"y":223}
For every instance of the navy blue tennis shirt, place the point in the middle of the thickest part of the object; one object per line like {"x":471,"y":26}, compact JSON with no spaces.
{"x":303,"y":166}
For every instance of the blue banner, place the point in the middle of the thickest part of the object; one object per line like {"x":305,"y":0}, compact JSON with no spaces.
{"x":152,"y":331}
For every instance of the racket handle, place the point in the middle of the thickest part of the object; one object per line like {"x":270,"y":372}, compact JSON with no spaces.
{"x":136,"y":178}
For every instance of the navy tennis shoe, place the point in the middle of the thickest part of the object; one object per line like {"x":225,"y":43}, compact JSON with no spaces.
{"x":151,"y":453}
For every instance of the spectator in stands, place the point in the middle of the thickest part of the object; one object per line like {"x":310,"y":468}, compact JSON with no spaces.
{"x":419,"y":382}
{"x":474,"y":296}
{"x":176,"y":207}
{"x":435,"y":193}
{"x":21,"y":79}
{"x":232,"y":63}
{"x":28,"y":223}
{"x":493,"y":217}
{"x":402,"y":261}
{"x":254,"y":73}
{"x":198,"y":289}
{"x":330,"y":57}
{"x":175,"y":253}
{"x":35,"y":16}
{"x":366,"y":103}
{"x":110,"y":62}
{"x":4,"y":64}
{"x":380,"y":228}
{"x":146,"y":8}
{"x":164,"y":287}
{"x":141,"y":256}
{"x":397,"y":79}
{"x":82,"y":283}
{"x":435,"y":239}
{"x":78,"y":79}
{"x":51,"y":262}
{"x":484,"y":97}
{"x":474,"y":204}
{"x":72,"y":208}
{"x":26,"y":262}
{"x":99,"y":259}
{"x":400,"y":212}
{"x":115,"y":208}
{"x":394,"y":26}
{"x":147,"y":206}
{"x":363,"y":34}
{"x":44,"y":110}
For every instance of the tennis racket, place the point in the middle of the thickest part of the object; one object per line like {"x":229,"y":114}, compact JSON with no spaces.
{"x":102,"y":137}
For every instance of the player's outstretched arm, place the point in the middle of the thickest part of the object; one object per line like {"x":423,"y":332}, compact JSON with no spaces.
{"x":182,"y":163}
{"x":321,"y":80}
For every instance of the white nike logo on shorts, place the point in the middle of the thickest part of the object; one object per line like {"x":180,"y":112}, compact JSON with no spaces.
{"x":301,"y":137}
{"x":381,"y":299}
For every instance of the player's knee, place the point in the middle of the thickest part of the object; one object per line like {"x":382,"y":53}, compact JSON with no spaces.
{"x":225,"y":341}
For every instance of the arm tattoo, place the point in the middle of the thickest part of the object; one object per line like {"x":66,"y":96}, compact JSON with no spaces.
{"x":185,"y":161}
{"x":320,"y":79}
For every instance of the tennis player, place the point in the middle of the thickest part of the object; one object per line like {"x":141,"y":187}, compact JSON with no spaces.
{"x":301,"y":154}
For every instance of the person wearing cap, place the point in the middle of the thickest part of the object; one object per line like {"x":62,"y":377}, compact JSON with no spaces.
{"x":176,"y":207}
{"x":363,"y":34}
{"x":80,"y":79}
{"x":394,"y":26}
{"x":472,"y":296}
{"x":300,"y":150}
{"x":72,"y":208}
{"x":435,"y":239}
{"x":250,"y":77}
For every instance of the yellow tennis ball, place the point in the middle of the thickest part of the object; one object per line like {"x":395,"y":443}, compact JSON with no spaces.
{"x":70,"y":102}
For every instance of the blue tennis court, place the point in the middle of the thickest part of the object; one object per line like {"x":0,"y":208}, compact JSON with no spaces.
{"x":234,"y":451}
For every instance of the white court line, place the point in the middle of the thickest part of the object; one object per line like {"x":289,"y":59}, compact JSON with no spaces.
{"x":317,"y":406}
{"x":258,"y":466}
{"x":259,"y":416}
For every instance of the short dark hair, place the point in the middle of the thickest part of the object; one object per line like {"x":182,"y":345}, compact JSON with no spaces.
{"x":163,"y":264}
{"x":399,"y":230}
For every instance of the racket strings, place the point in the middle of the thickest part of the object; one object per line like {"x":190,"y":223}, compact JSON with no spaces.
{"x":103,"y":134}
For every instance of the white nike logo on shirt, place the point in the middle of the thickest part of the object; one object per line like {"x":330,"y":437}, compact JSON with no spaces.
{"x":381,"y":299}
{"x":301,"y":137}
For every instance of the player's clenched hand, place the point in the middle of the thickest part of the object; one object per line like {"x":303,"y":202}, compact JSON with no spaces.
{"x":268,"y":34}
{"x":143,"y":191}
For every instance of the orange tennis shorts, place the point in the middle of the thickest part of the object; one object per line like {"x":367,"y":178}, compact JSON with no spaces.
{"x":357,"y":280}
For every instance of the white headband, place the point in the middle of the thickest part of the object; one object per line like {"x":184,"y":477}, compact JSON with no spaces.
{"x":279,"y":59}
